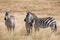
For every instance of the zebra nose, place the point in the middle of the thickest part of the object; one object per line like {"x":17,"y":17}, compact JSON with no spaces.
{"x":4,"y":18}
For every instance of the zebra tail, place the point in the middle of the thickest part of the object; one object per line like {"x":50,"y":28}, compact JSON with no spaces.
{"x":55,"y":27}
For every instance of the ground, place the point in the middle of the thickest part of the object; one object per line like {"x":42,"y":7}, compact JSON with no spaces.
{"x":18,"y":8}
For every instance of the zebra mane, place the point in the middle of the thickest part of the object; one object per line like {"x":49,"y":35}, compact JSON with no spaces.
{"x":33,"y":15}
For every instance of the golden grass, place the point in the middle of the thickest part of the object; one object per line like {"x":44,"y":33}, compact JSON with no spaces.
{"x":18,"y":8}
{"x":20,"y":31}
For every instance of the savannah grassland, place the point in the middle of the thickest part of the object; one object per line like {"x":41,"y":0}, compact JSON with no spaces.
{"x":18,"y":8}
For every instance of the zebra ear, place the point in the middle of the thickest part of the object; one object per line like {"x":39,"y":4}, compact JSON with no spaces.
{"x":4,"y":18}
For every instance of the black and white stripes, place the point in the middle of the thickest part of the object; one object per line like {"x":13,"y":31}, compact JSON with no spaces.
{"x":9,"y":21}
{"x":45,"y":22}
{"x":41,"y":22}
{"x":31,"y":20}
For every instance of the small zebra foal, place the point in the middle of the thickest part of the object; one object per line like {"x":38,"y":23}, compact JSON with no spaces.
{"x":9,"y":21}
{"x":41,"y":22}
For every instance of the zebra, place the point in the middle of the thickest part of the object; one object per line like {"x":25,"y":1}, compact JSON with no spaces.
{"x":9,"y":21}
{"x":28,"y":25}
{"x":41,"y":22}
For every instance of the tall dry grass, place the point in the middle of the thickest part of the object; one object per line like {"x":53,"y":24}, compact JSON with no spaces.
{"x":18,"y":8}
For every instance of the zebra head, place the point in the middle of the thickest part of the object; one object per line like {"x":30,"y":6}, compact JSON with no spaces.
{"x":7,"y":15}
{"x":29,"y":17}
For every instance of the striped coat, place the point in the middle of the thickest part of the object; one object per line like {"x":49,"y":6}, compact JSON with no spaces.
{"x":41,"y":22}
{"x":45,"y":22}
{"x":9,"y":21}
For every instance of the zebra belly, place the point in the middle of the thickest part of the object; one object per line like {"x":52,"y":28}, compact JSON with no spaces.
{"x":40,"y":24}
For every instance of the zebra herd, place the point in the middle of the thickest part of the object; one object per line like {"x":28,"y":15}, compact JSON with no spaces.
{"x":31,"y":20}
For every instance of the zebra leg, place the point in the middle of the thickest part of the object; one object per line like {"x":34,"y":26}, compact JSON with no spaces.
{"x":36,"y":28}
{"x":8,"y":28}
{"x":54,"y":28}
{"x":28,"y":31}
{"x":31,"y":29}
{"x":13,"y":27}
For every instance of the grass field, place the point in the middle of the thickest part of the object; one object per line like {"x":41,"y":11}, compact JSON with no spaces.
{"x":18,"y":8}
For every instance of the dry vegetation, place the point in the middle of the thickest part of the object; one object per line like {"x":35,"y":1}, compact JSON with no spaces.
{"x":42,"y":8}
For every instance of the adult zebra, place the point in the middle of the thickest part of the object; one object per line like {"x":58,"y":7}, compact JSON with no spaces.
{"x":9,"y":21}
{"x":28,"y":25}
{"x":41,"y":22}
